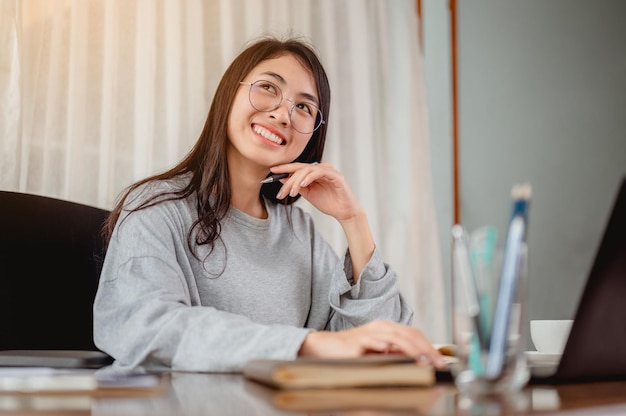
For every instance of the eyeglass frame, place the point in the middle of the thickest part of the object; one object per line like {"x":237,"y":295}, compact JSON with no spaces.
{"x":282,"y":97}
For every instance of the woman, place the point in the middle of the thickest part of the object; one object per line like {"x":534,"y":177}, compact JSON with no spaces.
{"x":207,"y":267}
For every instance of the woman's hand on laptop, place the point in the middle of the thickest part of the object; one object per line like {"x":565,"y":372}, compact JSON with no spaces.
{"x":373,"y":337}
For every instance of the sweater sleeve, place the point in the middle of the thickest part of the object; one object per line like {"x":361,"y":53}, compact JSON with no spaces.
{"x":375,"y":296}
{"x":145,"y":314}
{"x":339,"y":304}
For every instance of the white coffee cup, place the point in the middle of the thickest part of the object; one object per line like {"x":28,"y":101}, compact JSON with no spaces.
{"x":550,"y":335}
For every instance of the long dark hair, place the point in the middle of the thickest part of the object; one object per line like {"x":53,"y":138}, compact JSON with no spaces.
{"x":206,"y":162}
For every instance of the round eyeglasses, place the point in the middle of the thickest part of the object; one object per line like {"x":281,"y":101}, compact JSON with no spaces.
{"x":265,"y":96}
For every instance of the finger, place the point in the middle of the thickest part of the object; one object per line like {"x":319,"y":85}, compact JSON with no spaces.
{"x":409,"y":341}
{"x":288,"y":183}
{"x":421,"y":348}
{"x":292,"y":185}
{"x":303,"y":177}
{"x":374,"y":344}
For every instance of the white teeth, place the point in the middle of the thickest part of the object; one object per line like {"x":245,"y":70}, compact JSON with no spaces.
{"x":268,"y":135}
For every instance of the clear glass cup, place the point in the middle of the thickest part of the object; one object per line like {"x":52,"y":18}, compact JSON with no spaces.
{"x":490,"y":344}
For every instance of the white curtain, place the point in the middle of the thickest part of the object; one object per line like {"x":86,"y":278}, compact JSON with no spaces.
{"x":96,"y":94}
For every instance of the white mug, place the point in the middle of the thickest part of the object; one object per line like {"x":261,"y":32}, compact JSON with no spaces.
{"x":550,"y":335}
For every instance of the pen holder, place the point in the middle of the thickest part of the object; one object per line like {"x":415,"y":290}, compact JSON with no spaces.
{"x":488,"y":321}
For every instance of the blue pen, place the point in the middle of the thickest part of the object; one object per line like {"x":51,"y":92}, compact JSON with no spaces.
{"x":516,"y":238}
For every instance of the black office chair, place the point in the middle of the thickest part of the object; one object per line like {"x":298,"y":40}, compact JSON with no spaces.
{"x":50,"y":260}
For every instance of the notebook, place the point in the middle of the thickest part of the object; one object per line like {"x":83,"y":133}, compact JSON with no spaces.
{"x":596,"y":346}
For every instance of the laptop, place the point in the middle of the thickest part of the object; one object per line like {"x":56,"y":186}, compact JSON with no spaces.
{"x":596,"y":347}
{"x":54,"y":358}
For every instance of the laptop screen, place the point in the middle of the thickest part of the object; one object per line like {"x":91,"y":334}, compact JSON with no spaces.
{"x":597,"y":341}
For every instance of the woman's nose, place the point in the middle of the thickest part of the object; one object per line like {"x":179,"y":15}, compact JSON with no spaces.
{"x":282,"y":113}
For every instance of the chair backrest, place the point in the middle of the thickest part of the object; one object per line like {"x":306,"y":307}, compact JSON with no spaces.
{"x":50,"y":260}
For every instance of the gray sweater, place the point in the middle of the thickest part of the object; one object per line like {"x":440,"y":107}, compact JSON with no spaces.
{"x":265,"y":285}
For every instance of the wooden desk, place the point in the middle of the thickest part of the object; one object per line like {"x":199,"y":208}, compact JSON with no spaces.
{"x":187,"y":394}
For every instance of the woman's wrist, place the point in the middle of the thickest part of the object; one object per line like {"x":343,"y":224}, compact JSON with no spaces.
{"x":310,"y":346}
{"x":360,"y":242}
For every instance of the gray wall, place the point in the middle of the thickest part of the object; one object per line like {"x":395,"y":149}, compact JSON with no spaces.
{"x":542,"y":98}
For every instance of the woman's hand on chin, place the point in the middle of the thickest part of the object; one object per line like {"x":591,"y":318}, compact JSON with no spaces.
{"x":322,"y":185}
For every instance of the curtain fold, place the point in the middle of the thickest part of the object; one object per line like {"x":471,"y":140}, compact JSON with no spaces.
{"x":10,"y":94}
{"x":96,"y":94}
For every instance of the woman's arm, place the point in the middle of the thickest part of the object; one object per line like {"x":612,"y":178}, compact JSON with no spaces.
{"x":328,"y":191}
{"x":360,"y":241}
{"x":374,"y":293}
{"x":369,"y":316}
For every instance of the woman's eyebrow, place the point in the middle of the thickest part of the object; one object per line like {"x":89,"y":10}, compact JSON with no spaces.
{"x":282,"y":81}
{"x":276,"y":76}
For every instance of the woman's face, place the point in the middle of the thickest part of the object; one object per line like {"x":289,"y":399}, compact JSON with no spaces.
{"x":268,"y":138}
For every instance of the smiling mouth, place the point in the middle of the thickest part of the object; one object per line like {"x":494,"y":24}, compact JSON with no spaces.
{"x":268,"y":135}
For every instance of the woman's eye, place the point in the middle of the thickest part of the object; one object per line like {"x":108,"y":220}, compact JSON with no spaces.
{"x":306,"y":108}
{"x":269,"y":88}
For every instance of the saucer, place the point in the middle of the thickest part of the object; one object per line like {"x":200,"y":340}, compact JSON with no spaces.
{"x":536,"y":357}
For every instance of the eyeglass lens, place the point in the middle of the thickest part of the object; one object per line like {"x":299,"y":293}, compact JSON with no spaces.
{"x":266,"y":96}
